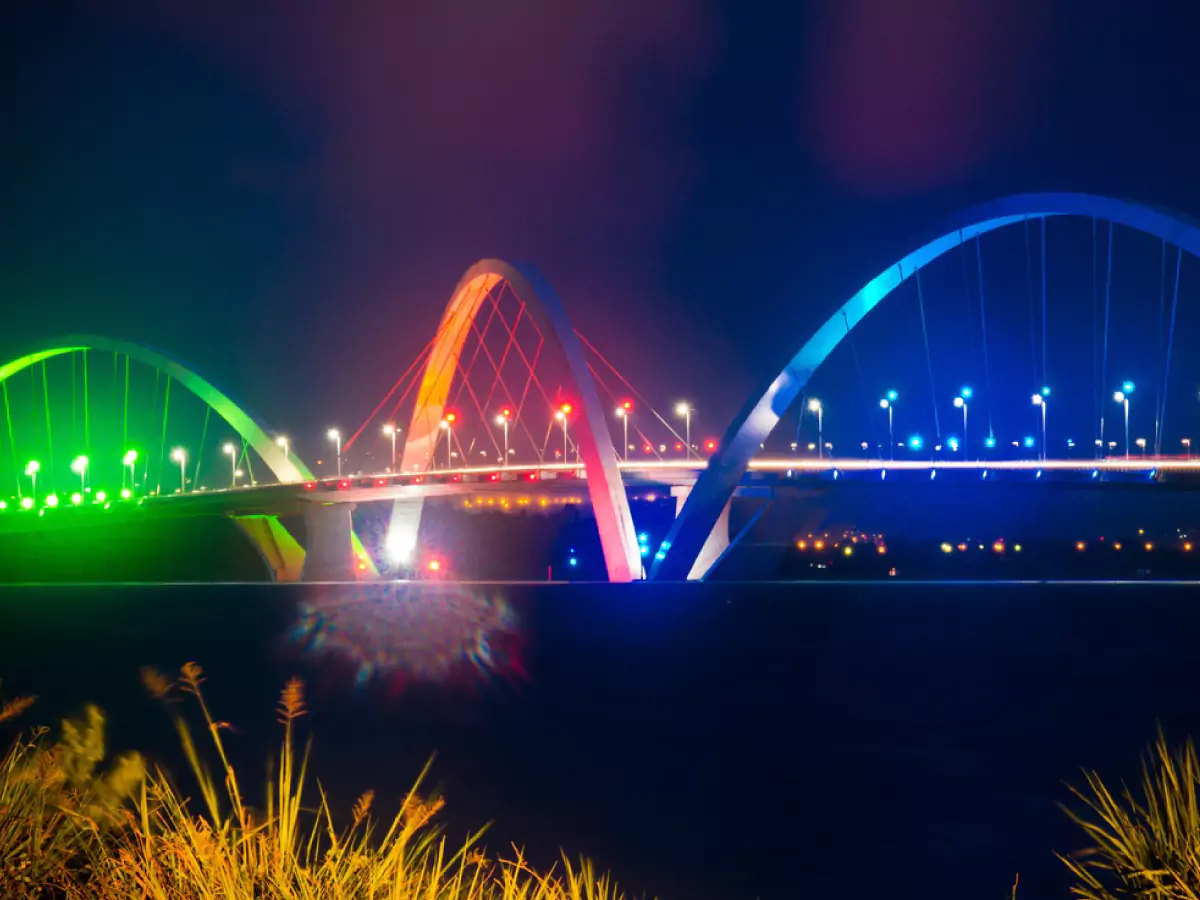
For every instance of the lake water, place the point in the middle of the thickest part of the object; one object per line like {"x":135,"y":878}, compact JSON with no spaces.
{"x":765,"y":741}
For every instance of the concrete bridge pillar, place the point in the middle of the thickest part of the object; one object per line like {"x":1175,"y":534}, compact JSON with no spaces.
{"x":329,"y":554}
{"x":714,"y":545}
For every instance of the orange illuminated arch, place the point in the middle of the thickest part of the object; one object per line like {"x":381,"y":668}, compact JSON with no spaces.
{"x":605,"y":487}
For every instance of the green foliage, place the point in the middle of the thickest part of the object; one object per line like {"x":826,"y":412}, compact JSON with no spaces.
{"x":1143,"y":845}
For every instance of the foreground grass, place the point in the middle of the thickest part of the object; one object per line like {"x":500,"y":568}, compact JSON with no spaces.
{"x":1143,"y":844}
{"x":70,"y":830}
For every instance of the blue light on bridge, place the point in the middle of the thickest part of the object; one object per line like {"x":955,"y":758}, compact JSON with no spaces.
{"x":932,"y":474}
{"x":966,"y":393}
{"x":952,"y":443}
{"x":1095,"y":473}
{"x":1127,"y":387}
{"x":1045,"y":391}
{"x":1039,"y":474}
{"x":916,"y":442}
{"x":643,"y":537}
{"x":892,"y":396}
{"x":882,"y":474}
{"x":989,"y":442}
{"x":1028,"y":442}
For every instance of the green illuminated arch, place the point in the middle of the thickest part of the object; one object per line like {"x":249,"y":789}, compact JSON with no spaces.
{"x":285,"y":465}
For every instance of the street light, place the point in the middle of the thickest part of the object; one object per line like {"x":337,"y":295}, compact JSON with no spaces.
{"x":684,"y":410}
{"x":447,"y":425}
{"x":389,"y":429}
{"x":1141,"y":443}
{"x":179,"y":455}
{"x":889,"y":402}
{"x":336,"y":436}
{"x":79,"y":466}
{"x":285,"y":445}
{"x":231,"y":451}
{"x":623,"y":413}
{"x":1187,"y":446}
{"x":1122,"y":397}
{"x":128,"y":461}
{"x":563,"y":413}
{"x":31,"y":469}
{"x":1039,"y":400}
{"x":960,"y":402}
{"x":814,"y":406}
{"x":502,"y":420}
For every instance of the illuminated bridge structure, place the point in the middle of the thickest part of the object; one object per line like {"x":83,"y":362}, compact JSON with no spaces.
{"x":509,"y":402}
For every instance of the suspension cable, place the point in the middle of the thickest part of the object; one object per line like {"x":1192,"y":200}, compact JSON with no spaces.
{"x":12,"y":444}
{"x":1159,"y":402}
{"x":1104,"y":353}
{"x":1029,"y":295}
{"x":200,"y":451}
{"x":862,"y":383}
{"x":1096,"y":389}
{"x":1171,"y":339}
{"x":987,"y":372}
{"x":937,"y":423}
{"x":49,"y":434}
{"x":1045,"y":368}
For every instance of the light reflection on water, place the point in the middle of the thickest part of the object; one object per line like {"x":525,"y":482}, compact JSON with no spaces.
{"x":401,"y":633}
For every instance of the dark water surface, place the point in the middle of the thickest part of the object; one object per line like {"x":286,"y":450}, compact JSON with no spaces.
{"x":703,"y":741}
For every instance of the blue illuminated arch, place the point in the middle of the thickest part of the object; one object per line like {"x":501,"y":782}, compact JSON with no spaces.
{"x":758,"y":418}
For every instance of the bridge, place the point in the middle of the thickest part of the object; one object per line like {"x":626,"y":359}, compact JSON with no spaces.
{"x":509,"y":406}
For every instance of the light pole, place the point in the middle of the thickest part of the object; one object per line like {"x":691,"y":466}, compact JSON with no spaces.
{"x":623,"y":413}
{"x":284,"y":445}
{"x":684,"y":411}
{"x":336,"y":436}
{"x":129,"y":460}
{"x":389,"y":429}
{"x":79,"y":466}
{"x":179,"y":455}
{"x":1187,"y":447}
{"x":31,"y":469}
{"x":960,"y":402}
{"x":448,"y":427}
{"x":1141,"y":443}
{"x":1039,"y":400}
{"x":562,"y":415}
{"x":814,"y":406}
{"x":888,"y":403}
{"x":1122,"y":397}
{"x":231,"y":451}
{"x":502,"y":421}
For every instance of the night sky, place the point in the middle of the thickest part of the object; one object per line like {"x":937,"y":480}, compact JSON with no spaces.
{"x":284,"y":194}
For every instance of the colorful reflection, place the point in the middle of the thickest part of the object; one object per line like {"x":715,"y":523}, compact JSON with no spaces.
{"x":407,"y":633}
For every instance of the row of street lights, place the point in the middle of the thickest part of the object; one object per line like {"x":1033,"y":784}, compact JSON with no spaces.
{"x":504,"y":419}
{"x":963,"y":402}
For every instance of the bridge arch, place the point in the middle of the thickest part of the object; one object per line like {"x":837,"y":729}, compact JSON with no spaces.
{"x":758,"y":418}
{"x":286,"y":466}
{"x":605,"y":487}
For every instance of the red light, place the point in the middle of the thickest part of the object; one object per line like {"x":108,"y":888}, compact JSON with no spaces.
{"x":627,"y":405}
{"x":566,"y":408}
{"x":495,"y":476}
{"x":450,"y":417}
{"x":678,"y":445}
{"x":380,"y":482}
{"x":506,"y":412}
{"x":533,"y":476}
{"x":418,"y":480}
{"x":710,"y":445}
{"x":309,"y":486}
{"x":455,"y":478}
{"x":435,"y":565}
{"x":647,"y":449}
{"x":343,"y":484}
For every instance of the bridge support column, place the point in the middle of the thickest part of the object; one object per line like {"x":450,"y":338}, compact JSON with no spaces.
{"x":400,"y":545}
{"x":714,"y":545}
{"x":330,"y":553}
{"x":275,"y":544}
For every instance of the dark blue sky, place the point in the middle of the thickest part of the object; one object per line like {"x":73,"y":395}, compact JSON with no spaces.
{"x":286,"y":196}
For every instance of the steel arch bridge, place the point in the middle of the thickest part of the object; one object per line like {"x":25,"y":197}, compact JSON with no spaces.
{"x":606,"y":489}
{"x":703,"y":510}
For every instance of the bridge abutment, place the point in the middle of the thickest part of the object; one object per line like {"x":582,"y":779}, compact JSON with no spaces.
{"x":715,"y":544}
{"x":329,"y":554}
